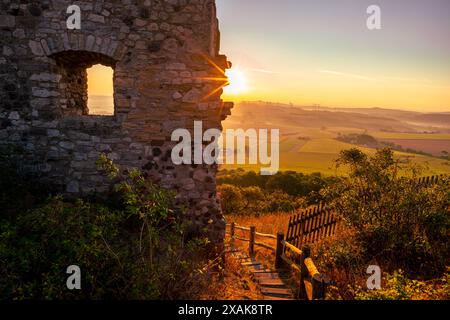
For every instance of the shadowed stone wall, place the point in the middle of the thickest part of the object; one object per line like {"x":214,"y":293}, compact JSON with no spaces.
{"x":164,"y":55}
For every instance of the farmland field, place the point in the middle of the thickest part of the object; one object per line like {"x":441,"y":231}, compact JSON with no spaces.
{"x":311,"y":146}
{"x":319,"y":155}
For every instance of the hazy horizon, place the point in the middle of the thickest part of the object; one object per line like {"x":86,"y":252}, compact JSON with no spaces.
{"x":105,"y":102}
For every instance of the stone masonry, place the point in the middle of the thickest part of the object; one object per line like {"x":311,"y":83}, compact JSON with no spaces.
{"x":166,"y":61}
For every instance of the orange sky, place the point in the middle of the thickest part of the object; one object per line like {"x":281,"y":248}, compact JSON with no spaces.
{"x":100,"y":80}
{"x":321,"y":52}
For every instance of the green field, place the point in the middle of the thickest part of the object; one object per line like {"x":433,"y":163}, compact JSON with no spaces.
{"x":314,"y":150}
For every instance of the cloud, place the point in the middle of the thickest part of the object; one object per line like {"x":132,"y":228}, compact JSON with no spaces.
{"x":263,"y":71}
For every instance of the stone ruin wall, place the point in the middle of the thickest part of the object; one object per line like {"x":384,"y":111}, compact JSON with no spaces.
{"x":164,"y":54}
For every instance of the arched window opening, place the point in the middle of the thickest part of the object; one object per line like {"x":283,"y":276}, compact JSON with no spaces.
{"x":100,"y":90}
{"x":87,"y":83}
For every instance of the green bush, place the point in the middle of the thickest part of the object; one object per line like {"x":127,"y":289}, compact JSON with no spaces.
{"x":135,"y":249}
{"x":397,"y":221}
{"x":231,"y":199}
{"x":397,"y":286}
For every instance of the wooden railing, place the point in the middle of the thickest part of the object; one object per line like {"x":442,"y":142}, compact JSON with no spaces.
{"x":316,"y":223}
{"x":312,"y":284}
{"x":311,"y":225}
{"x":304,"y":228}
{"x":430,"y":180}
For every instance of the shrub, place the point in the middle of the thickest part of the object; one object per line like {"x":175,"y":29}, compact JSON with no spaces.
{"x":135,"y":250}
{"x":17,"y":189}
{"x":397,"y":221}
{"x":253,"y":200}
{"x":397,"y":286}
{"x":295,"y":184}
{"x":230,"y":198}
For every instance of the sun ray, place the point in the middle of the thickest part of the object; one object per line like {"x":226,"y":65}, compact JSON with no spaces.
{"x":237,"y":82}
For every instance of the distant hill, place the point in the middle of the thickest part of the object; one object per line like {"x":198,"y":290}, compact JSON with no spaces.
{"x":377,"y":119}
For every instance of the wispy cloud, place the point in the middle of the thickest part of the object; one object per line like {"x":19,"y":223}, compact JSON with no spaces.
{"x":349,"y":75}
{"x":263,"y":71}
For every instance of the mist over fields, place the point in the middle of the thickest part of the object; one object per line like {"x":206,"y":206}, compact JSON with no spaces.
{"x":312,"y":137}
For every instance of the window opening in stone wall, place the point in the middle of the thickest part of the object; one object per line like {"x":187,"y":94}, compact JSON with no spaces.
{"x":86,"y":83}
{"x":100,"y":90}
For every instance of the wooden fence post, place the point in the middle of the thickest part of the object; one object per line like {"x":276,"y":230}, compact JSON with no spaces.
{"x":279,"y":250}
{"x":304,"y":274}
{"x":319,"y":286}
{"x":251,"y":245}
{"x":232,"y":234}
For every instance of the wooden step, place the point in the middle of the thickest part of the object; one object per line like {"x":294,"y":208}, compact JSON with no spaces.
{"x":272,"y":283}
{"x":251,"y":264}
{"x":242,"y":257}
{"x":283,"y":292}
{"x":261,"y":271}
{"x":268,"y":277}
{"x":276,"y":298}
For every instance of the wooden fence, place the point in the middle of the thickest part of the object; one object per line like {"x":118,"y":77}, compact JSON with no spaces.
{"x":304,"y":228}
{"x":312,"y":284}
{"x":316,"y":223}
{"x":311,"y":225}
{"x":430,"y":180}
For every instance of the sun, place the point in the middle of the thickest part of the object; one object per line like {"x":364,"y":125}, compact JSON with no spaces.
{"x":237,"y":82}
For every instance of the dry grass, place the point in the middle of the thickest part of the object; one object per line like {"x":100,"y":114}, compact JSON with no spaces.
{"x":234,"y":283}
{"x":270,"y":223}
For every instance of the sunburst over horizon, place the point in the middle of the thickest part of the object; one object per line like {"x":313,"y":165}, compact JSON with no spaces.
{"x":237,"y":82}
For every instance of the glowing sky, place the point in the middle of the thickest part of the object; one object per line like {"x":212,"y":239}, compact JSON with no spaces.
{"x":100,"y":80}
{"x":321,"y":52}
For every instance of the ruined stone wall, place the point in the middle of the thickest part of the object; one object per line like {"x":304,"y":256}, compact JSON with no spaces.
{"x":164,"y":53}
